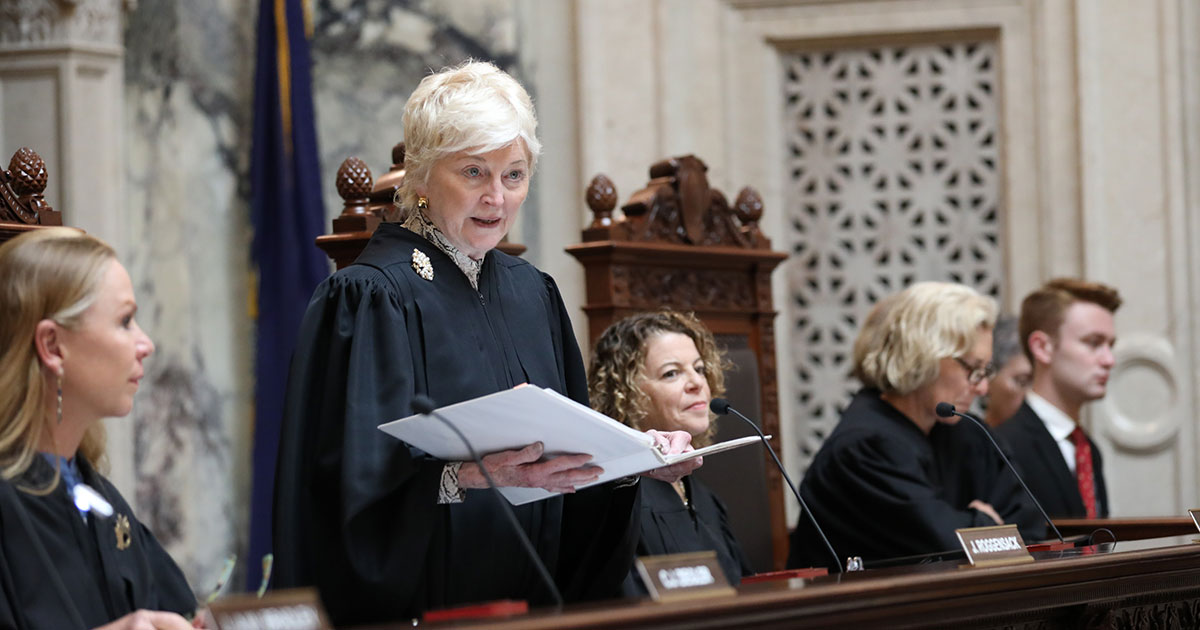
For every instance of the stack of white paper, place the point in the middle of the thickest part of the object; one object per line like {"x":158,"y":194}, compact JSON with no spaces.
{"x":516,"y":418}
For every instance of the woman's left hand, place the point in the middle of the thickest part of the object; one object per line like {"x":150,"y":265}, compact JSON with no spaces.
{"x":673,"y":443}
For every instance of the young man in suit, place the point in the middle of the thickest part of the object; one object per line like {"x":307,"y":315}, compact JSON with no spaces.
{"x":1067,"y":331}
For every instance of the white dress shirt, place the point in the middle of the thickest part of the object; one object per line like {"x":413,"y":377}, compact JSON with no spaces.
{"x":1059,"y":424}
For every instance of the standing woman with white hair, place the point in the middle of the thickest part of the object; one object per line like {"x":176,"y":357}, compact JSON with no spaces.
{"x":892,"y":479}
{"x":431,"y":307}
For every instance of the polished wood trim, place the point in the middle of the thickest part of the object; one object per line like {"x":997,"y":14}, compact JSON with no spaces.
{"x":1158,"y":586}
{"x":1128,"y":528}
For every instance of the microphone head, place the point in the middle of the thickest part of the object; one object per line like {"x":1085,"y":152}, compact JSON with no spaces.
{"x":944,"y":410}
{"x":719,"y":406}
{"x":423,"y":404}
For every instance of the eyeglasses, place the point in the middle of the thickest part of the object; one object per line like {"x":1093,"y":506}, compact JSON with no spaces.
{"x":977,"y":373}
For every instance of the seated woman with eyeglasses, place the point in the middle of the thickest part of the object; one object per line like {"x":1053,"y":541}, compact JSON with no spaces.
{"x":893,"y":479}
{"x":72,"y":554}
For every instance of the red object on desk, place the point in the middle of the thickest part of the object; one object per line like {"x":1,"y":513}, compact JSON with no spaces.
{"x":786,"y":574}
{"x":1049,"y":546}
{"x":499,"y":608}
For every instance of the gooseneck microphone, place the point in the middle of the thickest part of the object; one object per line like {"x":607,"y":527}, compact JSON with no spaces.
{"x":424,"y":405}
{"x":721,"y":407}
{"x":945,"y":410}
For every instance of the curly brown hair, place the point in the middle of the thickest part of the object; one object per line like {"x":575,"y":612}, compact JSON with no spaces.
{"x":616,"y":370}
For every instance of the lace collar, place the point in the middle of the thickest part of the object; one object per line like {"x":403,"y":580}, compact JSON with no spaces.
{"x":418,"y":223}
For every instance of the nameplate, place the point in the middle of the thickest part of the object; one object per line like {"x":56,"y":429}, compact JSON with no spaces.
{"x":1195,"y":514}
{"x":993,"y":546}
{"x":295,"y":609}
{"x":683,"y":576}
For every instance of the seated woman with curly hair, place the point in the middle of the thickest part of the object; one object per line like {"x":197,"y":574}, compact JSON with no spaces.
{"x":660,"y":371}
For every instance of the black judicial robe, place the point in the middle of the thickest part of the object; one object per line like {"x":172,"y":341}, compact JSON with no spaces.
{"x":668,"y":526}
{"x":880,"y":488}
{"x":356,"y":511}
{"x":971,"y":469}
{"x":1036,"y":454}
{"x":58,"y":572}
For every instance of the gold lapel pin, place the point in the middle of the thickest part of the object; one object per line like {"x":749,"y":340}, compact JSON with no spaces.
{"x":421,"y":265}
{"x":122,"y":531}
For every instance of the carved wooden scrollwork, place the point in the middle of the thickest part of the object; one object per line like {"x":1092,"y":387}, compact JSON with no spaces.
{"x":685,"y":289}
{"x":677,"y":206}
{"x":21,"y":191}
{"x":1175,"y":614}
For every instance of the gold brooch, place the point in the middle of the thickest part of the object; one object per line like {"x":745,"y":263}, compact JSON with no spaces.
{"x":122,"y":530}
{"x":421,"y":265}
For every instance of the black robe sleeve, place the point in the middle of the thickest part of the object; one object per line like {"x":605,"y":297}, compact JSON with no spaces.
{"x":973,"y":469}
{"x":600,"y":524}
{"x":874,"y":487}
{"x":345,"y":491}
{"x":893,"y":499}
{"x":58,"y":571}
{"x":670,"y":527}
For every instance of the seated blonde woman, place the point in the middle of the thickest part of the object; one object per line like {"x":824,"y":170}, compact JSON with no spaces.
{"x":72,"y":554}
{"x":660,"y":371}
{"x":893,"y":479}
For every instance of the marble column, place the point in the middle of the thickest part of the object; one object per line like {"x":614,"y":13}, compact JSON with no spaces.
{"x":189,"y":71}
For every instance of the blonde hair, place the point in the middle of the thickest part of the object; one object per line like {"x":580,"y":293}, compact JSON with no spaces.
{"x":617,"y":367}
{"x":906,"y":335}
{"x":474,"y":106}
{"x":55,"y":274}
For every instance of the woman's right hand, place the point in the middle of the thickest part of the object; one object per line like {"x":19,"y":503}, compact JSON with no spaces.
{"x":149,"y":620}
{"x":986,"y":508}
{"x":521,"y":468}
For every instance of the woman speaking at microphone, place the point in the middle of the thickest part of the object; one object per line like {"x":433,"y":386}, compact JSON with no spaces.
{"x":72,"y":554}
{"x":892,"y":480}
{"x":660,"y":371}
{"x":431,"y":307}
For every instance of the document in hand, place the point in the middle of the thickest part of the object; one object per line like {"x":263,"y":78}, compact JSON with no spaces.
{"x":516,"y":418}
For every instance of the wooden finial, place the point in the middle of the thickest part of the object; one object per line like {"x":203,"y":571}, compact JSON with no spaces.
{"x":22,"y":187}
{"x":749,"y":206}
{"x":749,"y":209}
{"x":354,"y":186}
{"x":602,"y":199}
{"x":28,"y":171}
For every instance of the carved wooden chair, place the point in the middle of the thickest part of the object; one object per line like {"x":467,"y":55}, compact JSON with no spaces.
{"x":23,"y":205}
{"x":680,"y":245}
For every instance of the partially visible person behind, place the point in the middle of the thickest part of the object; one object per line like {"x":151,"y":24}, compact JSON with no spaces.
{"x":893,"y":479}
{"x":70,"y":355}
{"x":1067,"y":330}
{"x":660,"y":371}
{"x":1013,"y":376}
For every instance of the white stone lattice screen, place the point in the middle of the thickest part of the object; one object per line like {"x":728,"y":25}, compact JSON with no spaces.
{"x":892,"y":164}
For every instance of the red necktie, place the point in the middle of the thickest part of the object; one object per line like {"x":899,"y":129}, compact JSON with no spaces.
{"x":1083,"y":471}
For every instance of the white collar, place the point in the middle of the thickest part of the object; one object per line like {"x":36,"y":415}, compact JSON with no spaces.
{"x":1059,"y":424}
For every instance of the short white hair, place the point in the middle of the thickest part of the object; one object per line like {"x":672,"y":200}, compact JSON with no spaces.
{"x":473,"y":106}
{"x":906,"y":335}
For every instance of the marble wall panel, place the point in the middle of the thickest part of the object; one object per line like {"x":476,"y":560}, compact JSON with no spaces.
{"x":188,"y":96}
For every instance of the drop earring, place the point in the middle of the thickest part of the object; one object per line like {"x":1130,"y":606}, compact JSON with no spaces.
{"x":58,"y":380}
